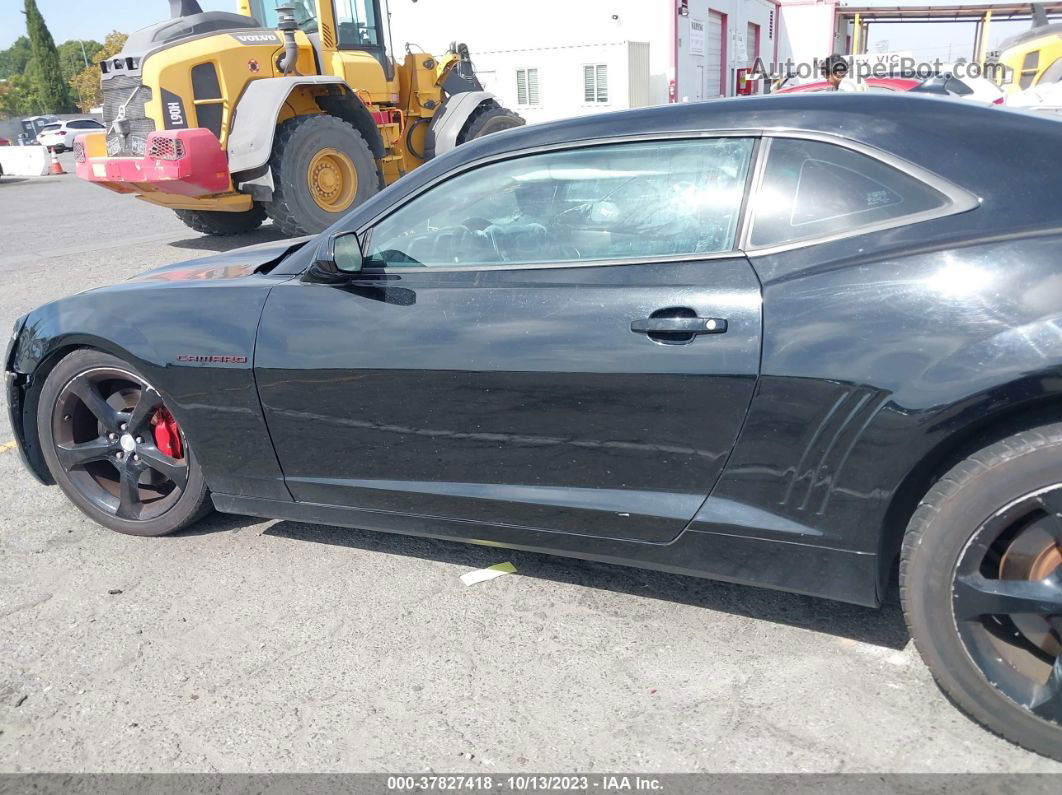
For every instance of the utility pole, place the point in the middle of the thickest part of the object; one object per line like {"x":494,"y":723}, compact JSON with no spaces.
{"x":83,"y":54}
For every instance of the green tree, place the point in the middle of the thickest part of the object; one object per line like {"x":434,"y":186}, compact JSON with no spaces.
{"x":16,"y":98}
{"x":51,"y":93}
{"x":14,"y":59}
{"x":71,"y":58}
{"x":86,"y":83}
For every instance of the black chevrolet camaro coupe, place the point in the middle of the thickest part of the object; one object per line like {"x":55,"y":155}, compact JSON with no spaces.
{"x":786,"y":341}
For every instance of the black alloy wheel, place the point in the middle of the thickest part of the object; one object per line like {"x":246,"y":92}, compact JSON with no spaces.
{"x":981,"y":585}
{"x":1007,"y":602}
{"x":115,"y":449}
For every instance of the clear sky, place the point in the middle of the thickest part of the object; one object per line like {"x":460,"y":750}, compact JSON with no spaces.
{"x":93,"y":19}
{"x":946,"y":41}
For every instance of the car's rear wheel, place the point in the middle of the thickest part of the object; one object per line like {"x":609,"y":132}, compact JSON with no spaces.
{"x":981,"y":584}
{"x":114,"y":448}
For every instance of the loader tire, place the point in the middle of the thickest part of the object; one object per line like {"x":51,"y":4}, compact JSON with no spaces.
{"x":212,"y":222}
{"x":322,"y":167}
{"x":486,"y":119}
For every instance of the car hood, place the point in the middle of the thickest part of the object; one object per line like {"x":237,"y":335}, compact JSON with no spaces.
{"x":228,"y":265}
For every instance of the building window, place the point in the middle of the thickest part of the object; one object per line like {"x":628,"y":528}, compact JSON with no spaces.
{"x":527,"y":86}
{"x":595,"y":83}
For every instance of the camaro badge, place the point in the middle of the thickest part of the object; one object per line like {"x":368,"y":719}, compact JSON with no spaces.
{"x":211,"y":358}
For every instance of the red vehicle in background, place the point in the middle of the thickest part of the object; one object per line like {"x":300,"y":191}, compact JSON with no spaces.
{"x":873,"y":84}
{"x":977,"y":89}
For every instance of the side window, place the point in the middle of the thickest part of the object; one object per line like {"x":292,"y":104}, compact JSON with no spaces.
{"x":813,"y":189}
{"x":1029,"y":67}
{"x":357,"y":24}
{"x":955,"y":86}
{"x":1052,"y":74}
{"x":616,"y":201}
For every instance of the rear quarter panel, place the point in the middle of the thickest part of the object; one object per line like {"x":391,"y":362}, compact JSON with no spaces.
{"x":870,"y":365}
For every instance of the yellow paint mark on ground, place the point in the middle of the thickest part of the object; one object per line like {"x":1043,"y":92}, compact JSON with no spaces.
{"x":8,"y":446}
{"x":489,"y":573}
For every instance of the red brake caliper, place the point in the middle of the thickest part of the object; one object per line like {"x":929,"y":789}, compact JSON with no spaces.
{"x":167,"y":434}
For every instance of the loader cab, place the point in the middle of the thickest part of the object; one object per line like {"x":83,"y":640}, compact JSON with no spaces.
{"x":337,"y":25}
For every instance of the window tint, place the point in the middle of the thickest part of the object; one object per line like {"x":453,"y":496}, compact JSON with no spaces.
{"x":1052,"y":74}
{"x":50,"y":127}
{"x":812,"y":189}
{"x":84,"y":124}
{"x":1029,"y":67}
{"x":635,"y":200}
{"x":357,"y":23}
{"x":955,"y":86}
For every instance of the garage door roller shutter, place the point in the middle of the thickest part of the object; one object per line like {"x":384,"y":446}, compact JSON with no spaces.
{"x":713,"y":55}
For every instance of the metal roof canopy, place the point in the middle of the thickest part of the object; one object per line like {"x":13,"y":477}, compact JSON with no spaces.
{"x":982,"y":14}
{"x":1017,"y":12}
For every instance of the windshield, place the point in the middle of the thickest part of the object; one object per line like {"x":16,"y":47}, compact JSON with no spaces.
{"x":50,"y":127}
{"x":356,"y":19}
{"x":265,"y":11}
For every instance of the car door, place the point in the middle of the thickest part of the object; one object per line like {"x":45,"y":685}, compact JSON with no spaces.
{"x":564,"y":340}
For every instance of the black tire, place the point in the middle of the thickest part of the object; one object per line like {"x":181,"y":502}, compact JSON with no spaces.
{"x":213,"y":222}
{"x":486,"y":119}
{"x":955,"y":538}
{"x":161,"y":505}
{"x":293,"y":207}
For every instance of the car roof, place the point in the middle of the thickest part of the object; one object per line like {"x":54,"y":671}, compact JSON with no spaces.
{"x":917,"y":127}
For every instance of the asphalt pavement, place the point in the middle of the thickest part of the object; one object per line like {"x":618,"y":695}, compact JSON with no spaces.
{"x":277,"y":646}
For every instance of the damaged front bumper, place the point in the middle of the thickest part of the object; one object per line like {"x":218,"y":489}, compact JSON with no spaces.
{"x":15,"y":390}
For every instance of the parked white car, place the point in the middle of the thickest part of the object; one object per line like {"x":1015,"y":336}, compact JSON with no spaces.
{"x":1043,"y":98}
{"x":60,"y":135}
{"x":977,"y":89}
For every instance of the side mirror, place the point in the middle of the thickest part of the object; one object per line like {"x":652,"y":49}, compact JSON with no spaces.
{"x":338,"y":257}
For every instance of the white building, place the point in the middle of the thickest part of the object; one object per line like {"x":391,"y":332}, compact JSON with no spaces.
{"x":557,"y":58}
{"x":814,"y":29}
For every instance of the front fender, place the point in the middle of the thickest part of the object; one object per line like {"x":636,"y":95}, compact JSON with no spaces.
{"x":450,"y":119}
{"x":251,"y":138}
{"x":193,"y":341}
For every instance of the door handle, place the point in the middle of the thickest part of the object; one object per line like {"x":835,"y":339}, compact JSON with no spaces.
{"x":681,"y":325}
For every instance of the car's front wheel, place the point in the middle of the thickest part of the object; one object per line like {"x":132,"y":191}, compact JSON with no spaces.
{"x":981,"y":584}
{"x":115,"y":449}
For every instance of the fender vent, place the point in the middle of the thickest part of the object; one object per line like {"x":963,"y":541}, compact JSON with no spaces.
{"x":829,"y":446}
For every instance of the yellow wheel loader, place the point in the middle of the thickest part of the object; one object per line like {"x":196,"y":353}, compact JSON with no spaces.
{"x":1033,"y":57}
{"x":296,"y":113}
